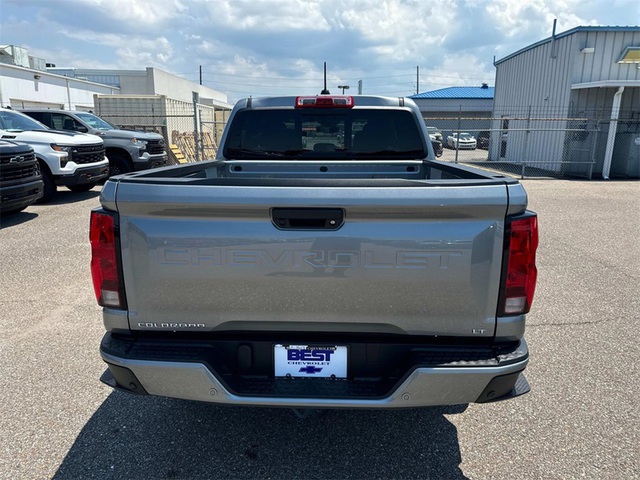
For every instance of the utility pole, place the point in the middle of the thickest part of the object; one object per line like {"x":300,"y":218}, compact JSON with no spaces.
{"x":417,"y":79}
{"x":200,"y":74}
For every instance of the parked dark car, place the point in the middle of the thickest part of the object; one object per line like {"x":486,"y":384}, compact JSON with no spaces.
{"x":483,"y":140}
{"x":20,"y":178}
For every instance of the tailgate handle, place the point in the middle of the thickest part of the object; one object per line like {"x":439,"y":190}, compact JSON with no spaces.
{"x":307,"y":218}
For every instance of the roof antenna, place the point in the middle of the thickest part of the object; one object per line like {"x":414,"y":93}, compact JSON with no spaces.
{"x":325,"y":91}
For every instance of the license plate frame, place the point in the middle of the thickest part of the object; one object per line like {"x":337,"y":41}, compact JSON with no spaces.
{"x":310,"y":361}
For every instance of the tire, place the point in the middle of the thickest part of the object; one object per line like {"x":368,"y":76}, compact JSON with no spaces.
{"x":85,"y":187}
{"x":118,"y":164}
{"x":50,"y":188}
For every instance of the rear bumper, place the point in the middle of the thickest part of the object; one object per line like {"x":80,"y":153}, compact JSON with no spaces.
{"x":426,"y":377}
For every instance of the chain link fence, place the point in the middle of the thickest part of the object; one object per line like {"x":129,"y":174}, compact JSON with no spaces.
{"x":543,"y":142}
{"x":531,"y":142}
{"x":192,"y":131}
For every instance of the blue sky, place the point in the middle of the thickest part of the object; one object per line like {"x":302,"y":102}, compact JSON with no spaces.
{"x":270,"y":47}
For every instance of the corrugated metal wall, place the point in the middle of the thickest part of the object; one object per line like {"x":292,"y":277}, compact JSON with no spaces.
{"x":602,"y":63}
{"x":534,"y":83}
{"x":533,"y":91}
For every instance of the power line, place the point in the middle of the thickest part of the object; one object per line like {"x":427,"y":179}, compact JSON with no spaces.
{"x":285,"y":79}
{"x":216,"y":73}
{"x":390,"y":85}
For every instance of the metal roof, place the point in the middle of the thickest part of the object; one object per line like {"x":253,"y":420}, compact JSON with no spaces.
{"x":566,"y":34}
{"x":458,"y":92}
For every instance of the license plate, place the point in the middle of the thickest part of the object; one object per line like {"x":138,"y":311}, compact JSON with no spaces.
{"x":311,"y":361}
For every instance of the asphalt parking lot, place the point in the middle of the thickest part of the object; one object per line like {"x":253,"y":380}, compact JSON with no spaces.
{"x":581,"y":419}
{"x":475,"y":155}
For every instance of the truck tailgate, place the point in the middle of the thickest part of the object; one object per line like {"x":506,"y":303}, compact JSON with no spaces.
{"x":422,"y":260}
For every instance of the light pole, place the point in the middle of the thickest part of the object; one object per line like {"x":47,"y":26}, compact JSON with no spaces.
{"x":343,"y":87}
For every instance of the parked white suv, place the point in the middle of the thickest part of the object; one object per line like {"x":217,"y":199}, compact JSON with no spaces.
{"x":74,"y":160}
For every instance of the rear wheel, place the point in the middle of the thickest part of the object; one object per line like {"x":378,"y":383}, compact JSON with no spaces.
{"x":81,"y":188}
{"x":50,"y":188}
{"x":118,"y":164}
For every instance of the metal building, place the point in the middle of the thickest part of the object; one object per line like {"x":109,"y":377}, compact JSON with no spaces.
{"x":574,"y":100}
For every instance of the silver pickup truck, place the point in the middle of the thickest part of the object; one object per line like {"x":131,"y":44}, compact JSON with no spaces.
{"x":323,"y":259}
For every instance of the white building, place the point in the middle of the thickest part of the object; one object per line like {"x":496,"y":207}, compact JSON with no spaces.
{"x":26,"y":81}
{"x":151,"y":81}
{"x":23,"y":87}
{"x":188,"y":114}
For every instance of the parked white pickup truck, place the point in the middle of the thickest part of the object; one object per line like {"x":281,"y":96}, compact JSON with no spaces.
{"x":323,"y":259}
{"x":74,"y":160}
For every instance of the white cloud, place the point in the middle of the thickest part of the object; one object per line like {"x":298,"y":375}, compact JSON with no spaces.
{"x":270,"y":16}
{"x":463,"y":69}
{"x":263,"y":46}
{"x":396,"y":30}
{"x":131,"y":52}
{"x":143,"y":13}
{"x":157,"y":52}
{"x":535,"y":17}
{"x":392,"y":30}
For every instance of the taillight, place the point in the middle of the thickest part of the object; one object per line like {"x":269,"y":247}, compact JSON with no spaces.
{"x":521,"y":272}
{"x":104,"y":263}
{"x":325,"y":101}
